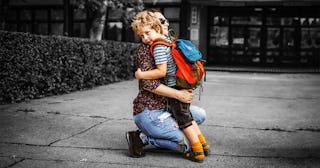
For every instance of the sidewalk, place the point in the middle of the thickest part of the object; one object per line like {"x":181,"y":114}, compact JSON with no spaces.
{"x":253,"y":120}
{"x":262,"y":69}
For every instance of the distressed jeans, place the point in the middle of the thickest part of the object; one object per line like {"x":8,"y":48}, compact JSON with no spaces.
{"x":160,"y":129}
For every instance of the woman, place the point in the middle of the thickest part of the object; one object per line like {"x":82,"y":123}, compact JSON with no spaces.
{"x":157,"y":126}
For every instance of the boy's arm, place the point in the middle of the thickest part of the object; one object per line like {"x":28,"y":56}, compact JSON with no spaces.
{"x":157,"y":73}
{"x":160,"y":57}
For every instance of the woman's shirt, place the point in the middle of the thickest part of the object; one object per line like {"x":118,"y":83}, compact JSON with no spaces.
{"x":146,"y":97}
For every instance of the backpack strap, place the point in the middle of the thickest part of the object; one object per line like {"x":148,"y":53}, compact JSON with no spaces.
{"x":159,"y":41}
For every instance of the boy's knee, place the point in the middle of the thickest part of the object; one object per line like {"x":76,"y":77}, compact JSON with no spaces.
{"x":184,"y":120}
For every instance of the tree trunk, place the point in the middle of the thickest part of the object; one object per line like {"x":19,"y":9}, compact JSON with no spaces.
{"x":97,"y":24}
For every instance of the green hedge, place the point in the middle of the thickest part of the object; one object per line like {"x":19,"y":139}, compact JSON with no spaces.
{"x":34,"y":66}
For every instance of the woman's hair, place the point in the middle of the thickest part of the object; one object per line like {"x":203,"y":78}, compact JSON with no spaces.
{"x":153,"y":10}
{"x":146,"y":18}
{"x":171,"y":32}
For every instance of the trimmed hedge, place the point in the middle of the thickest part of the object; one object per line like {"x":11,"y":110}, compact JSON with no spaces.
{"x":34,"y":66}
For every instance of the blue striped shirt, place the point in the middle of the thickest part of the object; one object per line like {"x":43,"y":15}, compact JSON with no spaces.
{"x":162,"y":55}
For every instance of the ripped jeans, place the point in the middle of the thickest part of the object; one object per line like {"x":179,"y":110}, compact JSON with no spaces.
{"x":160,"y":129}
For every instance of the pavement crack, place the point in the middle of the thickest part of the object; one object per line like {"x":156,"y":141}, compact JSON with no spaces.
{"x":30,"y":110}
{"x":90,"y":116}
{"x":54,"y":112}
{"x":16,"y":162}
{"x":81,"y":132}
{"x":267,"y":157}
{"x":53,"y":146}
{"x":26,"y":110}
{"x":73,"y":115}
{"x":26,"y":144}
{"x":276,"y":129}
{"x":270,"y":97}
{"x":96,"y":116}
{"x":309,"y":129}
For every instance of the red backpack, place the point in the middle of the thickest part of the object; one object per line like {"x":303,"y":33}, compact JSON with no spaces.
{"x":188,"y":75}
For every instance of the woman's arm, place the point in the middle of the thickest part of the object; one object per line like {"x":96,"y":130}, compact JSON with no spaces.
{"x":184,"y":96}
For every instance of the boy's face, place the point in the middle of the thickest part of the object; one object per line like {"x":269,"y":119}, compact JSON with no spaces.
{"x":149,"y":35}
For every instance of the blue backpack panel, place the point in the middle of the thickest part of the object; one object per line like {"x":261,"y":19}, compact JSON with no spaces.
{"x":189,"y":50}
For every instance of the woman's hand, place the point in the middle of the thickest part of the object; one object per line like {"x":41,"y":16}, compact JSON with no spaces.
{"x":185,"y":96}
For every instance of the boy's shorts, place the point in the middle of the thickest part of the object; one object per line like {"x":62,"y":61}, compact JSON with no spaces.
{"x":181,"y":112}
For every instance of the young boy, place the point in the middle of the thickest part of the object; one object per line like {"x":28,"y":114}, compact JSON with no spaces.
{"x":149,"y":27}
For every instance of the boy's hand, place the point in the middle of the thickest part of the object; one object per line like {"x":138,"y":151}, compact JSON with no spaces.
{"x":138,"y":74}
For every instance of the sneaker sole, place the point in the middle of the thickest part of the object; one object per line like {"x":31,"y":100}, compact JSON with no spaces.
{"x":207,"y":152}
{"x":193,"y":159}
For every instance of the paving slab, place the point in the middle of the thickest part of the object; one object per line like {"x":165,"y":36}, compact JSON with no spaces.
{"x":41,"y":128}
{"x":109,"y":101}
{"x":108,"y":135}
{"x":241,"y":142}
{"x":287,"y":102}
{"x":35,"y":156}
{"x":263,"y":113}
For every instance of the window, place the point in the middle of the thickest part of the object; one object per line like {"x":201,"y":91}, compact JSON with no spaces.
{"x":278,"y":36}
{"x":235,"y":33}
{"x":25,"y":15}
{"x":42,"y":28}
{"x":56,"y":14}
{"x":273,"y":38}
{"x":219,"y":36}
{"x":254,"y":37}
{"x":173,"y":15}
{"x":79,"y":28}
{"x":41,"y":15}
{"x":171,"y":12}
{"x":41,"y":22}
{"x":57,"y":28}
{"x":288,"y":38}
{"x":57,"y":22}
{"x":238,"y":37}
{"x":114,"y":31}
{"x":44,"y":20}
{"x":114,"y":26}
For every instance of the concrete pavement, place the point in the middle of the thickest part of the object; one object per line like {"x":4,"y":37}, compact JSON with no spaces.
{"x":253,"y":120}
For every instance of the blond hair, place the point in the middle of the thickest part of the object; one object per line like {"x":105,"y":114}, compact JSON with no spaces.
{"x":146,"y":18}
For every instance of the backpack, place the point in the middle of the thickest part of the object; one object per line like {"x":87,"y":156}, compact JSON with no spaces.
{"x":190,"y":69}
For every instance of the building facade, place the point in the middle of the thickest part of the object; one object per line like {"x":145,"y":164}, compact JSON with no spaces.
{"x":258,"y":33}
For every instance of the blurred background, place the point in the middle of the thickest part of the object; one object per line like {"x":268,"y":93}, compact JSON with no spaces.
{"x":255,"y":33}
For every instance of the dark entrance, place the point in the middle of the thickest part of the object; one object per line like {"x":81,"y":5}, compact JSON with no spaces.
{"x":264,"y":36}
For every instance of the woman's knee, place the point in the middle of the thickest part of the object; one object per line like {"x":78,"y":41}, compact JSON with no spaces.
{"x":199,"y":114}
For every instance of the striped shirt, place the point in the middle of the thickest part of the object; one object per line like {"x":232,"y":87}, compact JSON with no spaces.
{"x":162,"y":55}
